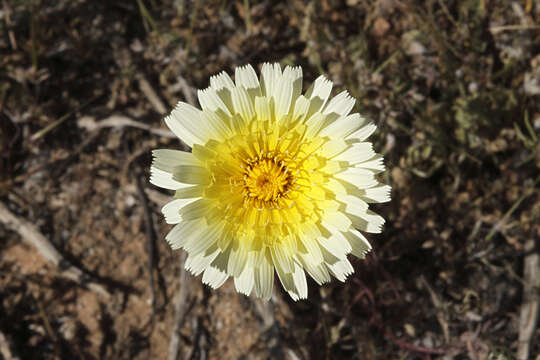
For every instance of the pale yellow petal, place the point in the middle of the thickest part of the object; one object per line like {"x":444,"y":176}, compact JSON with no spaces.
{"x":171,"y":210}
{"x":214,"y":277}
{"x":270,"y":76}
{"x":183,"y":232}
{"x":184,"y":121}
{"x":190,"y":174}
{"x":237,"y":260}
{"x":360,"y":245}
{"x":167,"y":160}
{"x":369,"y":222}
{"x":318,"y":93}
{"x":356,"y":153}
{"x":204,"y":240}
{"x":377,"y":194}
{"x":244,"y":283}
{"x":341,"y":269}
{"x":364,"y":132}
{"x":243,"y":104}
{"x":264,"y":278}
{"x":341,"y":104}
{"x":246,"y":77}
{"x":164,"y":179}
{"x":211,"y":101}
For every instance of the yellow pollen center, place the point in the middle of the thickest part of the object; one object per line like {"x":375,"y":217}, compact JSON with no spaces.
{"x":265,"y":182}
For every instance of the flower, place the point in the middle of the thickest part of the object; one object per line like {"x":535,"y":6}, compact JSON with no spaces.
{"x":276,"y":180}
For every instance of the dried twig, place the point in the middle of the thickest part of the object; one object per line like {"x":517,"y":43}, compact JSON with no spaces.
{"x":500,"y":224}
{"x":151,"y":241}
{"x":11,"y":35}
{"x":151,"y":95}
{"x":498,"y":29}
{"x":531,"y":300}
{"x":200,"y":343}
{"x":63,"y":118}
{"x":119,"y":121}
{"x":5,"y":349}
{"x":439,"y":306}
{"x":271,"y":334}
{"x":30,"y":234}
{"x":388,"y":334}
{"x":180,"y":309}
{"x":189,"y":91}
{"x":155,"y":196}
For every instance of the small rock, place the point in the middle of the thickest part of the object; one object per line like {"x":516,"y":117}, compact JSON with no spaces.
{"x":380,"y":27}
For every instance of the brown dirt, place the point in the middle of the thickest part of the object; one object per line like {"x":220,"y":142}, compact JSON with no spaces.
{"x":456,"y":102}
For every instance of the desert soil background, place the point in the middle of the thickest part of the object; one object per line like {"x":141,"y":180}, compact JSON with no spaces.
{"x":454,"y":87}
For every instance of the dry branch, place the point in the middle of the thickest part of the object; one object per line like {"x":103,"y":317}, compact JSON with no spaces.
{"x":531,"y":301}
{"x":180,"y":309}
{"x":151,"y":95}
{"x":271,"y":334}
{"x":30,"y":234}
{"x":5,"y":349}
{"x":151,"y":241}
{"x":119,"y":121}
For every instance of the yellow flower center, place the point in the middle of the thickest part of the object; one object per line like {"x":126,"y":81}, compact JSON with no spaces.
{"x":266,"y":180}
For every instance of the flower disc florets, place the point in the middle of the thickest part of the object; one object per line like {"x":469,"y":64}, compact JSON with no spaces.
{"x":276,"y":182}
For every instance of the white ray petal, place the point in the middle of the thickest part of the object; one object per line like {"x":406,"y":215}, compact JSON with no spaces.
{"x":360,"y":245}
{"x":197,"y":209}
{"x":341,"y":269}
{"x":183,"y":231}
{"x":246,"y":77}
{"x":318,"y":93}
{"x":344,"y":126}
{"x":264,"y":278}
{"x":301,"y":107}
{"x":281,"y":257}
{"x":360,"y":178}
{"x":243,"y":104}
{"x":244,"y":283}
{"x":196,"y":264}
{"x":189,"y":191}
{"x":299,"y":277}
{"x":377,"y":194}
{"x":336,"y":243}
{"x":221,"y":261}
{"x":313,"y":251}
{"x":336,"y":219}
{"x":211,"y":101}
{"x":207,"y":238}
{"x":262,"y":108}
{"x":167,"y":160}
{"x":369,"y":222}
{"x":237,"y":260}
{"x":283,"y":92}
{"x":270,"y":76}
{"x":184,"y":121}
{"x":171,"y":210}
{"x":375,"y":164}
{"x":191,"y":174}
{"x":164,"y":179}
{"x":352,"y":204}
{"x":363,"y":133}
{"x":287,"y":281}
{"x":214,"y":277}
{"x":357,"y":153}
{"x":317,"y":271}
{"x":221,"y":80}
{"x":340,"y":104}
{"x":296,"y":78}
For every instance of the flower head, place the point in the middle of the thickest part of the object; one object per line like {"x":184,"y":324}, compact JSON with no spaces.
{"x":277,"y":182}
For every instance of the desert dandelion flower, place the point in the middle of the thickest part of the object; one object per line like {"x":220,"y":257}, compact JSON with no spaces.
{"x":277,"y":182}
